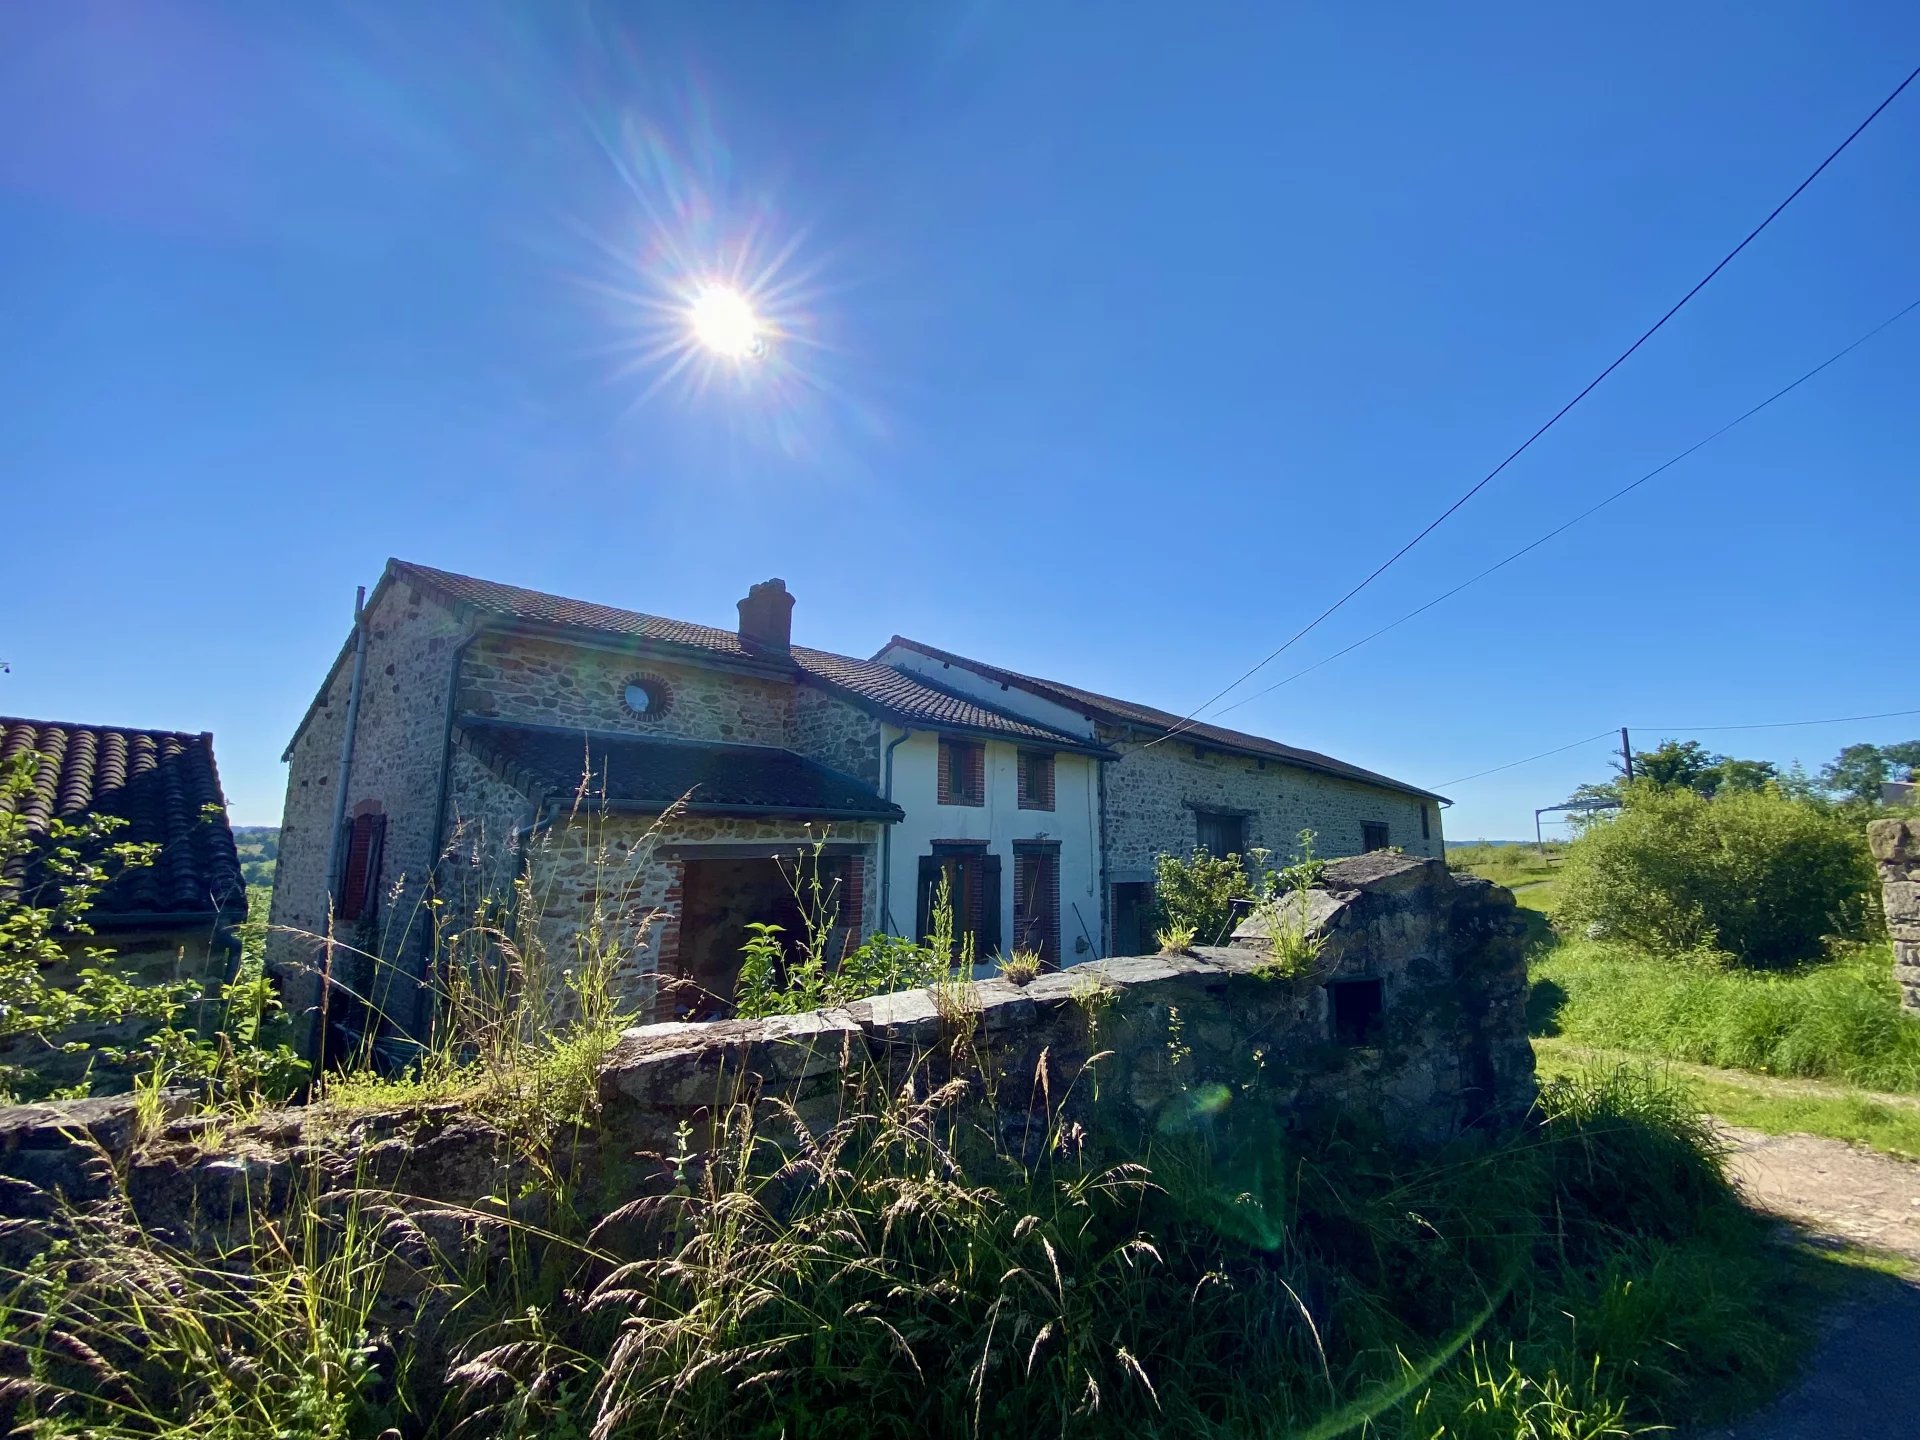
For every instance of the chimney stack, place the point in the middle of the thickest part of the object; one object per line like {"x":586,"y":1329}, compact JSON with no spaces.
{"x":766,"y":618}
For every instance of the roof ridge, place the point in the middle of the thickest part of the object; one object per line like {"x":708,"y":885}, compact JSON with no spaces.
{"x":206,"y":735}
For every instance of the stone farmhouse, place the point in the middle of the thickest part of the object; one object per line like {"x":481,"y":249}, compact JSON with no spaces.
{"x":677,"y":775}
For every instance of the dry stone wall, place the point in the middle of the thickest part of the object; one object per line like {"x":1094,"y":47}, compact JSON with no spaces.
{"x":1118,"y":1051}
{"x":1896,"y":850}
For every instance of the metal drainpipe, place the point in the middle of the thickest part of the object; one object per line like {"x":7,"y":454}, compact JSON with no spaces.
{"x":886,"y":839}
{"x":315,"y":1038}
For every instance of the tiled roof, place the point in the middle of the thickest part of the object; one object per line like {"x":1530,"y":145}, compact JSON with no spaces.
{"x":161,"y":784}
{"x":645,"y":773}
{"x":1127,"y":712}
{"x":900,"y":694}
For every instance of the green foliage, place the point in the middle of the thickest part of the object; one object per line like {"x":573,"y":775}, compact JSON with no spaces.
{"x":1840,"y":1020}
{"x":1857,"y":772}
{"x":163,"y":1030}
{"x":1174,"y":939}
{"x":1197,"y":892}
{"x":1753,"y":876}
{"x":888,"y":1274}
{"x":773,"y":983}
{"x":1293,"y":944}
{"x":259,"y":850}
{"x":1508,"y":865}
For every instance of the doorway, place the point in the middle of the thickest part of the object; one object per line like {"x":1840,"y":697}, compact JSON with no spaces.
{"x":719,"y":898}
{"x":1133,"y":918}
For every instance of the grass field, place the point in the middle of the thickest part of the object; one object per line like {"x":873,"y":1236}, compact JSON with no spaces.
{"x":1823,"y":1050}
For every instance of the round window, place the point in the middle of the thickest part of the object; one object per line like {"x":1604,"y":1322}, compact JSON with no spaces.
{"x":646,"y":697}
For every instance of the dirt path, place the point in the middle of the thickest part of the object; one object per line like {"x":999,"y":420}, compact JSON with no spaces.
{"x":1832,"y":1187}
{"x":1861,"y":1382}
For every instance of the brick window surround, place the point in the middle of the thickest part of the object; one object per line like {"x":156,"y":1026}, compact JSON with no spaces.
{"x":1036,"y":780}
{"x":962,"y":772}
{"x":1036,"y":899}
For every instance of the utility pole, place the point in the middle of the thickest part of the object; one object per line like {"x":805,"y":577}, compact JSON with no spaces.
{"x":1626,"y":753}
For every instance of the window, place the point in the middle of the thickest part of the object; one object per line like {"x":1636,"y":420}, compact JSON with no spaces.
{"x":646,"y":697}
{"x":1356,"y":1011}
{"x":1036,"y":900}
{"x":1220,"y":833}
{"x":963,"y":772}
{"x":358,"y":887}
{"x":1036,"y":780}
{"x":972,"y":877}
{"x":1426,"y":831}
{"x":1373,"y":835}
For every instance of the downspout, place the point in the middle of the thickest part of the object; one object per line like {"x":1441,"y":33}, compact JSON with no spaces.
{"x":317,"y":1033}
{"x":886,"y":836}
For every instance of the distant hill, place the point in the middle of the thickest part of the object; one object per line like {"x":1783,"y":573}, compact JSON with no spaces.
{"x":259,"y":847}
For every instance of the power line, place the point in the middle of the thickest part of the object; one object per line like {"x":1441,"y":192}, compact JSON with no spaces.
{"x":1603,"y":735}
{"x":1434,"y":524}
{"x":1561,"y":529}
{"x":1679,"y":730}
{"x":1776,"y":724}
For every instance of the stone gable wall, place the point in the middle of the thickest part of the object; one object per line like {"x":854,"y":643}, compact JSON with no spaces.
{"x":549,"y":682}
{"x":1896,"y":850}
{"x":1152,"y":793}
{"x":411,"y":638}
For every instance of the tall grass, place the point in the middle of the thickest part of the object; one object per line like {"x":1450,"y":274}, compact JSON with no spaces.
{"x":1839,"y":1020}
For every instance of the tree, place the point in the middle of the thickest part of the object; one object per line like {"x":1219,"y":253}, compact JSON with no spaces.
{"x":1681,"y":765}
{"x":1857,"y":772}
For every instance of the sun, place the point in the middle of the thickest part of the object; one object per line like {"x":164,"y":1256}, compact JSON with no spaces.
{"x":722,"y":320}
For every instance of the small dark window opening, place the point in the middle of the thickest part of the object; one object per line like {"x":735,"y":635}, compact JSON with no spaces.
{"x":1426,"y":831}
{"x":1373,"y":835}
{"x":1356,"y":1011}
{"x":1219,"y":833}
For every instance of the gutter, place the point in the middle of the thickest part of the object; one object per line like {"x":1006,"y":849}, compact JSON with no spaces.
{"x":886,"y":836}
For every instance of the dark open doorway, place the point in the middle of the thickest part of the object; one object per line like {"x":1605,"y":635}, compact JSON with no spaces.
{"x":719,"y":898}
{"x":1133,"y":918}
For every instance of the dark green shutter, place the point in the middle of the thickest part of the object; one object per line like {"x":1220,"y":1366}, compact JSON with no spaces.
{"x":923,"y":912}
{"x":987,"y":943}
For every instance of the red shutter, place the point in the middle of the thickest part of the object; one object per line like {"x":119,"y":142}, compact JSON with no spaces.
{"x":360,"y":871}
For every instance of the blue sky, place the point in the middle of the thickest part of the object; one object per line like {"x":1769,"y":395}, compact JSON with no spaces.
{"x":1111,"y":351}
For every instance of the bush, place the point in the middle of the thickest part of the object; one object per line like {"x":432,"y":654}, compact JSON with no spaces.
{"x":1753,"y":876}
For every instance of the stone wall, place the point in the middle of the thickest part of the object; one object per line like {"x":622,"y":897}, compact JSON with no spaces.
{"x":1126,"y":1049}
{"x":401,"y":726}
{"x":1153,"y":792}
{"x":839,"y":735}
{"x":622,"y":873}
{"x":549,"y":682}
{"x":1896,"y":849}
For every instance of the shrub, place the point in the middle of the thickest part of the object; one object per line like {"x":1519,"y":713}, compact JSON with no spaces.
{"x":1754,"y":876}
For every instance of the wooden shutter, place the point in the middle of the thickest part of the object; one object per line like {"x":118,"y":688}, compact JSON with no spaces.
{"x":923,"y":912}
{"x":360,"y":871}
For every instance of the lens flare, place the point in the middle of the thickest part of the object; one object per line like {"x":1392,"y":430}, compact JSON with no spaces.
{"x":722,"y":320}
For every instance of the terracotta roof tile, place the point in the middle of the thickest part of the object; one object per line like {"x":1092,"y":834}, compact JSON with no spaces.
{"x":901,"y":694}
{"x":1128,"y":712}
{"x":160,"y":782}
